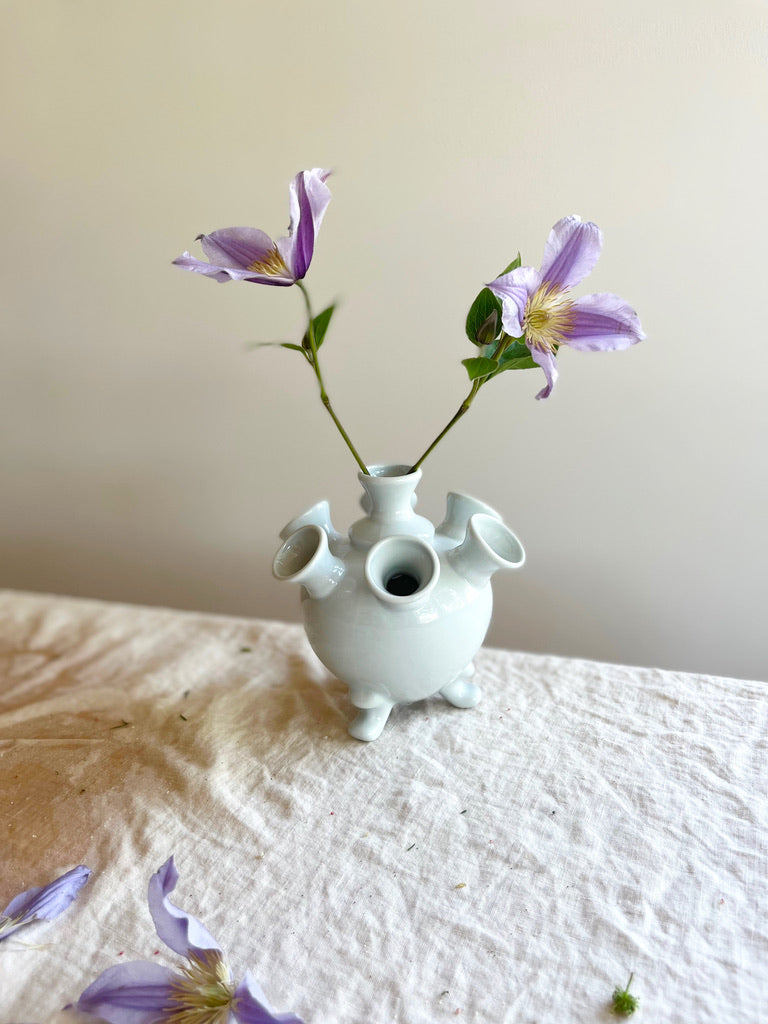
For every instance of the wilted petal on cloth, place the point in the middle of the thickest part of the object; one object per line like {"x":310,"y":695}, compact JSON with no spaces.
{"x":201,"y":991}
{"x":132,"y":993}
{"x":182,"y":932}
{"x":43,"y":902}
{"x":252,"y":1007}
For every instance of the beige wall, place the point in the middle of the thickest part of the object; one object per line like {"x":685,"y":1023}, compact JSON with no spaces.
{"x":147,"y":456}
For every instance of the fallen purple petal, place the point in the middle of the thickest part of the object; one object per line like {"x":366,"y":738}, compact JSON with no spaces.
{"x":181,"y":932}
{"x":200,"y":991}
{"x":132,"y":993}
{"x":251,"y":1005}
{"x":43,"y":903}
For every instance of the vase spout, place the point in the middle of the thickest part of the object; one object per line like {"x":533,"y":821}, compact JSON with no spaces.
{"x":318,"y":515}
{"x":401,"y":571}
{"x":488,"y":545}
{"x":306,"y":558}
{"x":459,"y":508}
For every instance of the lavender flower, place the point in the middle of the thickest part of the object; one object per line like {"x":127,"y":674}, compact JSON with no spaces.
{"x":249,"y":254}
{"x":43,"y":903}
{"x":201,"y":992}
{"x":536,"y":305}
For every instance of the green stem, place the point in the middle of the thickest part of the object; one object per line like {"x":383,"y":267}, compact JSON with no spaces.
{"x":463,"y":408}
{"x":323,"y":393}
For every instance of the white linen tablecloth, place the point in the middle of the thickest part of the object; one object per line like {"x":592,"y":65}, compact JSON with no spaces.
{"x":509,"y":863}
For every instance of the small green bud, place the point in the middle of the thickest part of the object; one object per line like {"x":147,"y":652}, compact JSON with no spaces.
{"x":622,"y":1002}
{"x":488,"y":329}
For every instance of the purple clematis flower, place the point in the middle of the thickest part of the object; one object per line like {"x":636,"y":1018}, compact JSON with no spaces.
{"x":248,"y":254}
{"x":201,"y":992}
{"x":536,"y":306}
{"x":43,"y":903}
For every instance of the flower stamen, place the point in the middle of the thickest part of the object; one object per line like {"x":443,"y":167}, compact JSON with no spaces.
{"x":203,"y":991}
{"x":548,"y":318}
{"x":9,"y":924}
{"x":273,"y":265}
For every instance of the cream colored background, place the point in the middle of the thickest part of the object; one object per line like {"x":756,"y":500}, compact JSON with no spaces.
{"x":148,"y":456}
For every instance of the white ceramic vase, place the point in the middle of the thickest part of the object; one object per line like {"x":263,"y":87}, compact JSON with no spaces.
{"x":398,"y":609}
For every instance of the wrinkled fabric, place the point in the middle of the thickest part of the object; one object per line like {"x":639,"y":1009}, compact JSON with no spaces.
{"x":513,"y":862}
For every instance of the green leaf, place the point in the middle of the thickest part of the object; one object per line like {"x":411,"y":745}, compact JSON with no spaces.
{"x":479,"y":313}
{"x":320,"y":325}
{"x":516,"y":357}
{"x":516,"y":350}
{"x":479,"y":366}
{"x":524,"y":363}
{"x":274,"y":344}
{"x":516,"y":262}
{"x":479,"y":318}
{"x":321,"y":322}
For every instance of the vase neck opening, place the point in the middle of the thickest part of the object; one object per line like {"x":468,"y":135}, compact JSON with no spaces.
{"x":389,"y":470}
{"x":388,"y":501}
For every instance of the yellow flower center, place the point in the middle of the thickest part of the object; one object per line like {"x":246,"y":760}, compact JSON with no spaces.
{"x":548,"y":317}
{"x":273,"y":265}
{"x":202,"y":993}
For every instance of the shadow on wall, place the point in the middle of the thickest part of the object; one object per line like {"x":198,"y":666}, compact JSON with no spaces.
{"x":173,"y":573}
{"x":190,"y":578}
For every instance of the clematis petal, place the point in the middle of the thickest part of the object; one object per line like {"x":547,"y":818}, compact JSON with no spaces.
{"x":237,"y":247}
{"x":132,"y":993}
{"x":43,"y":902}
{"x":182,"y":932}
{"x":572,"y":250}
{"x":221,"y":274}
{"x":601,"y":322}
{"x":548,"y":363}
{"x":309,"y":199}
{"x":514,"y":290}
{"x":250,"y":1005}
{"x":249,"y":254}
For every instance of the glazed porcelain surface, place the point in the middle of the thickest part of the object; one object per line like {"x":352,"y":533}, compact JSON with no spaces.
{"x":398,"y":609}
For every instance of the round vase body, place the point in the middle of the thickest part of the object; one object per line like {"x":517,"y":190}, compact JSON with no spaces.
{"x":398,"y":611}
{"x":401,"y":653}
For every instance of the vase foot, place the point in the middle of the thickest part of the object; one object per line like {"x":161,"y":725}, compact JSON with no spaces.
{"x":363,"y":699}
{"x":462,"y":692}
{"x":369,"y":723}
